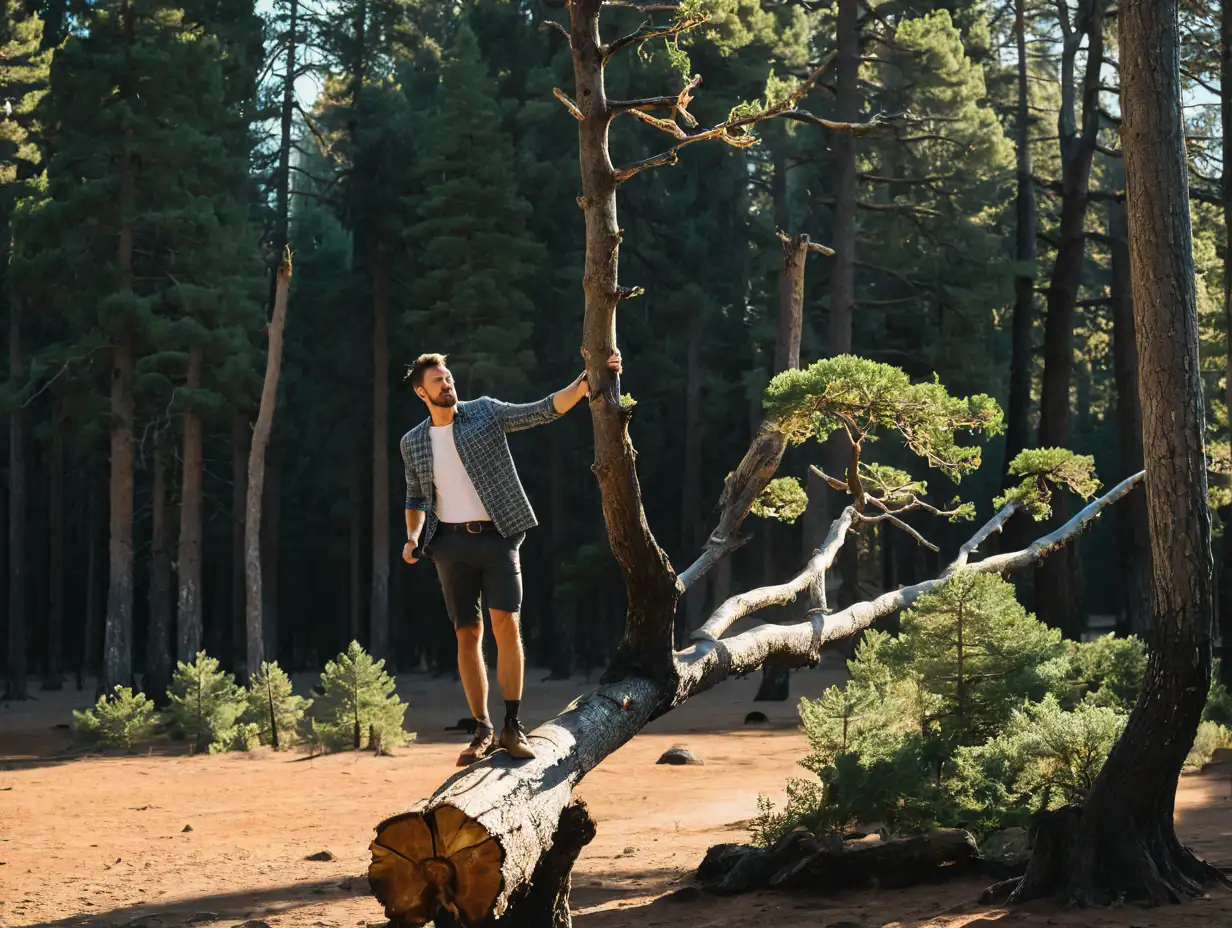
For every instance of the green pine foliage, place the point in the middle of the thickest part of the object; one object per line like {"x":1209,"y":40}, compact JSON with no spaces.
{"x":1108,"y":671}
{"x":206,"y":704}
{"x":117,"y":720}
{"x":1041,"y":470}
{"x":974,"y":649}
{"x":476,"y":257}
{"x":867,"y":399}
{"x":276,"y":712}
{"x":783,"y":499}
{"x":358,"y":704}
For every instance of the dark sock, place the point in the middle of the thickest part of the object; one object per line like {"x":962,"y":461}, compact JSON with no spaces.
{"x":511,"y":709}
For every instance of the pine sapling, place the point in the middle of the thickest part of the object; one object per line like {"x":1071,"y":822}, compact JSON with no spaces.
{"x":273,"y":708}
{"x":117,"y":719}
{"x":205,"y":704}
{"x":358,"y":705}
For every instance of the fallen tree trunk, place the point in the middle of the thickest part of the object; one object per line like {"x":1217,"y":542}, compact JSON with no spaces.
{"x":802,"y":861}
{"x":473,"y":848}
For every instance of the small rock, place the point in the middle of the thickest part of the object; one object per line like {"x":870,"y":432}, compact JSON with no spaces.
{"x":679,"y":757}
{"x":202,"y":917}
{"x":684,"y":894}
{"x":321,"y":856}
{"x":629,"y":850}
{"x":756,"y":718}
{"x":253,"y":923}
{"x":187,"y":828}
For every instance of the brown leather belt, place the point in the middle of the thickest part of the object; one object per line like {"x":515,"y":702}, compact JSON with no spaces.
{"x":471,"y":528}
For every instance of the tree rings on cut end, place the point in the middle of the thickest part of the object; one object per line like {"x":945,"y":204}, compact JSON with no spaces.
{"x":423,"y":862}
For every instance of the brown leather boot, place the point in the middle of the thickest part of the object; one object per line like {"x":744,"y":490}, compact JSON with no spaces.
{"x":513,"y":740}
{"x":478,"y":747}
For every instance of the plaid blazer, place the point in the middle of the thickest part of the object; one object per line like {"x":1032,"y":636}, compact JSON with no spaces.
{"x":479,"y":431}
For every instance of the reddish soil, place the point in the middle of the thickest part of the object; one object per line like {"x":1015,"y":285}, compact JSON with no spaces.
{"x":102,"y":841}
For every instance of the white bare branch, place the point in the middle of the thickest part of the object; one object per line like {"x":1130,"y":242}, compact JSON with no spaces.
{"x":746,"y":604}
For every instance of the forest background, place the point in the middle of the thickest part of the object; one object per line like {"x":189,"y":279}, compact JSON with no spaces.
{"x":157,"y":159}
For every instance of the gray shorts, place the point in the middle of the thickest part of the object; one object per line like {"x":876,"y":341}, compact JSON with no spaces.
{"x":469,"y":565}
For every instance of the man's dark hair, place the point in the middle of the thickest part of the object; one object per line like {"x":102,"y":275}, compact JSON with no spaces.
{"x":422,"y":363}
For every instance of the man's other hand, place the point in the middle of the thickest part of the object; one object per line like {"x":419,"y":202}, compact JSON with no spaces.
{"x":408,"y":552}
{"x":613,"y":364}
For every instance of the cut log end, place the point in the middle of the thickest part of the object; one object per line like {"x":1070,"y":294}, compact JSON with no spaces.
{"x":439,"y":860}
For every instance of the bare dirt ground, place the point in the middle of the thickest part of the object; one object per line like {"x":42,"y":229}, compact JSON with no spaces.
{"x":161,"y":840}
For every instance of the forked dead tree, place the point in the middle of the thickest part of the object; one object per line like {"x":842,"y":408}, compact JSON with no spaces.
{"x":497,"y":841}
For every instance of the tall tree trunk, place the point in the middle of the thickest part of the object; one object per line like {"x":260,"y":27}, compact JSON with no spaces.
{"x":652,"y":585}
{"x":241,"y":434}
{"x":188,"y":557}
{"x":158,"y":641}
{"x":271,"y":532}
{"x":1133,"y":537}
{"x":1019,"y":406}
{"x":18,"y":604}
{"x":54,"y":679}
{"x":90,"y":648}
{"x":776,"y":679}
{"x":118,"y":634}
{"x":690,"y":495}
{"x":842,"y":278}
{"x":282,"y":203}
{"x":357,"y":533}
{"x":1125,"y":846}
{"x":379,"y":608}
{"x":1053,"y":595}
{"x":255,"y":600}
{"x":1225,"y":120}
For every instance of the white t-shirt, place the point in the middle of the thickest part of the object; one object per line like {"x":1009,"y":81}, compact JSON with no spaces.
{"x":456,"y":499}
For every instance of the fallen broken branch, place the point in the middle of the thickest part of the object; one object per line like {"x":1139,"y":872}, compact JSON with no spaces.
{"x":473,"y":848}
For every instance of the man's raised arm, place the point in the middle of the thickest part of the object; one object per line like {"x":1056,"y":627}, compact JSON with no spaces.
{"x":519,"y":416}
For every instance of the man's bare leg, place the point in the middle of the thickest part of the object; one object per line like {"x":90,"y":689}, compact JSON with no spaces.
{"x":475,"y":682}
{"x":510,"y":669}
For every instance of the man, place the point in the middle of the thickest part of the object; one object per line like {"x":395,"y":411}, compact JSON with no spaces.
{"x":467,"y":511}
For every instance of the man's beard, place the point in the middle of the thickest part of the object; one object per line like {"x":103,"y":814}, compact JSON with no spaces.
{"x":445,"y":400}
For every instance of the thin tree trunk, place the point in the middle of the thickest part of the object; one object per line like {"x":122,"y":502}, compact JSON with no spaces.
{"x":271,"y":531}
{"x":379,"y":608}
{"x":54,"y":679}
{"x":1133,"y":536}
{"x":282,"y":210}
{"x":18,"y":562}
{"x":1125,"y":846}
{"x":690,"y":496}
{"x":652,"y":585}
{"x":1053,"y":595}
{"x":776,"y":679}
{"x":90,"y":648}
{"x":1019,"y":406}
{"x":240,"y":436}
{"x":255,"y":624}
{"x":118,"y":634}
{"x":188,"y":557}
{"x":1225,"y":119}
{"x":357,"y":530}
{"x":158,"y":641}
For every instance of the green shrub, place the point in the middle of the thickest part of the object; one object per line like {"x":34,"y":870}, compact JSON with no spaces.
{"x":1108,"y":671}
{"x":358,"y":704}
{"x":1210,"y":738}
{"x":274,"y":712}
{"x":117,"y":719}
{"x":1218,"y":702}
{"x":205,"y":704}
{"x":1045,"y":758}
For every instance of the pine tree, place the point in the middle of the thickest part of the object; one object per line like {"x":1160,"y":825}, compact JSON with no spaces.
{"x":358,"y":704}
{"x":475,"y":254}
{"x":972,"y":645}
{"x":273,"y":707}
{"x":205,"y":703}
